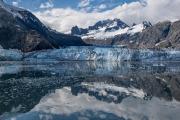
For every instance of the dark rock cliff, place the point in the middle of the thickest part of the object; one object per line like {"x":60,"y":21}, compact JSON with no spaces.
{"x":29,"y":34}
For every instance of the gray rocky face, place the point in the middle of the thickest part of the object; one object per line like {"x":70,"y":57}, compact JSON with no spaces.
{"x":173,"y":37}
{"x":161,"y":35}
{"x":78,"y":31}
{"x":151,"y":36}
{"x":125,"y":39}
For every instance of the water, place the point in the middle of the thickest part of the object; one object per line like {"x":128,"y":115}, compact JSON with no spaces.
{"x":89,"y":91}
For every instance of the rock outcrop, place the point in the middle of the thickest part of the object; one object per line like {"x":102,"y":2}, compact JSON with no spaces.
{"x":173,"y":37}
{"x":78,"y":31}
{"x":153,"y":36}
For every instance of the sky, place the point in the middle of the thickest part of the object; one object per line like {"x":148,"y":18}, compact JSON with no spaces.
{"x":62,"y":15}
{"x":89,"y":5}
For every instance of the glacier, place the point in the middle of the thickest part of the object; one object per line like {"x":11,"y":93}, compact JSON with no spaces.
{"x":99,"y":53}
{"x":92,"y":53}
{"x":10,"y":55}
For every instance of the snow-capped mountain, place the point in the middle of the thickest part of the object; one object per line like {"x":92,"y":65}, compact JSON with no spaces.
{"x":108,"y":29}
{"x":20,"y":29}
{"x":145,"y":35}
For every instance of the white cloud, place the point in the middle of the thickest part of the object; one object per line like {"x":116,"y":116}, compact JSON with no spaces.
{"x":150,"y":10}
{"x":102,"y":6}
{"x":16,"y":3}
{"x":47,"y":4}
{"x":84,"y":3}
{"x":86,"y":9}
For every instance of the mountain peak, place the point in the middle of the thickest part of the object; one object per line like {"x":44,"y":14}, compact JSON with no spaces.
{"x":146,"y":24}
{"x":108,"y":29}
{"x":104,"y":25}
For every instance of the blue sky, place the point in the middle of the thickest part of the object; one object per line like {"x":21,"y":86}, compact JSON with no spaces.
{"x":34,"y":5}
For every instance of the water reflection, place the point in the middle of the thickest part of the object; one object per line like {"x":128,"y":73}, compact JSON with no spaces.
{"x":89,"y":90}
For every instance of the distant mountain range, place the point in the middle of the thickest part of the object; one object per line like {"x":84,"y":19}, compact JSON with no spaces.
{"x":20,"y":29}
{"x":145,"y":35}
{"x":108,"y":29}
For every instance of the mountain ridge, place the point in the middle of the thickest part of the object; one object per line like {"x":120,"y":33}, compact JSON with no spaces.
{"x":109,"y":26}
{"x":20,"y":29}
{"x":161,"y":35}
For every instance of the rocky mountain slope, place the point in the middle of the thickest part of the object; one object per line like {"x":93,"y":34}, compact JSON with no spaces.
{"x":20,"y":29}
{"x":115,"y":32}
{"x":162,"y":35}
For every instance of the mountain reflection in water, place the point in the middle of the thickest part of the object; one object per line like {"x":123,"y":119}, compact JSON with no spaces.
{"x":89,"y":90}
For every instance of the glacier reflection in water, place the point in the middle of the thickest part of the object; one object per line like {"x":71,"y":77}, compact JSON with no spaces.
{"x":89,"y":90}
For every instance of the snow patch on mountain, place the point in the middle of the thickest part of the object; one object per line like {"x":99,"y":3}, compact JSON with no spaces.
{"x":109,"y":29}
{"x":11,"y":9}
{"x":101,"y":34}
{"x":135,"y":29}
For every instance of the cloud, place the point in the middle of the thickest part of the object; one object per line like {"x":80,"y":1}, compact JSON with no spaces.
{"x":84,"y":3}
{"x":102,"y":6}
{"x":149,"y":10}
{"x":47,"y":4}
{"x":15,"y":3}
{"x":86,"y":9}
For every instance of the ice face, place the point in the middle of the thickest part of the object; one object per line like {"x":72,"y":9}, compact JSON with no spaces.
{"x":92,"y":53}
{"x":103,"y":54}
{"x":10,"y":55}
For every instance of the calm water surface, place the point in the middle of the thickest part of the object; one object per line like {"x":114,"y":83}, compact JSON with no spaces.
{"x":89,"y":91}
